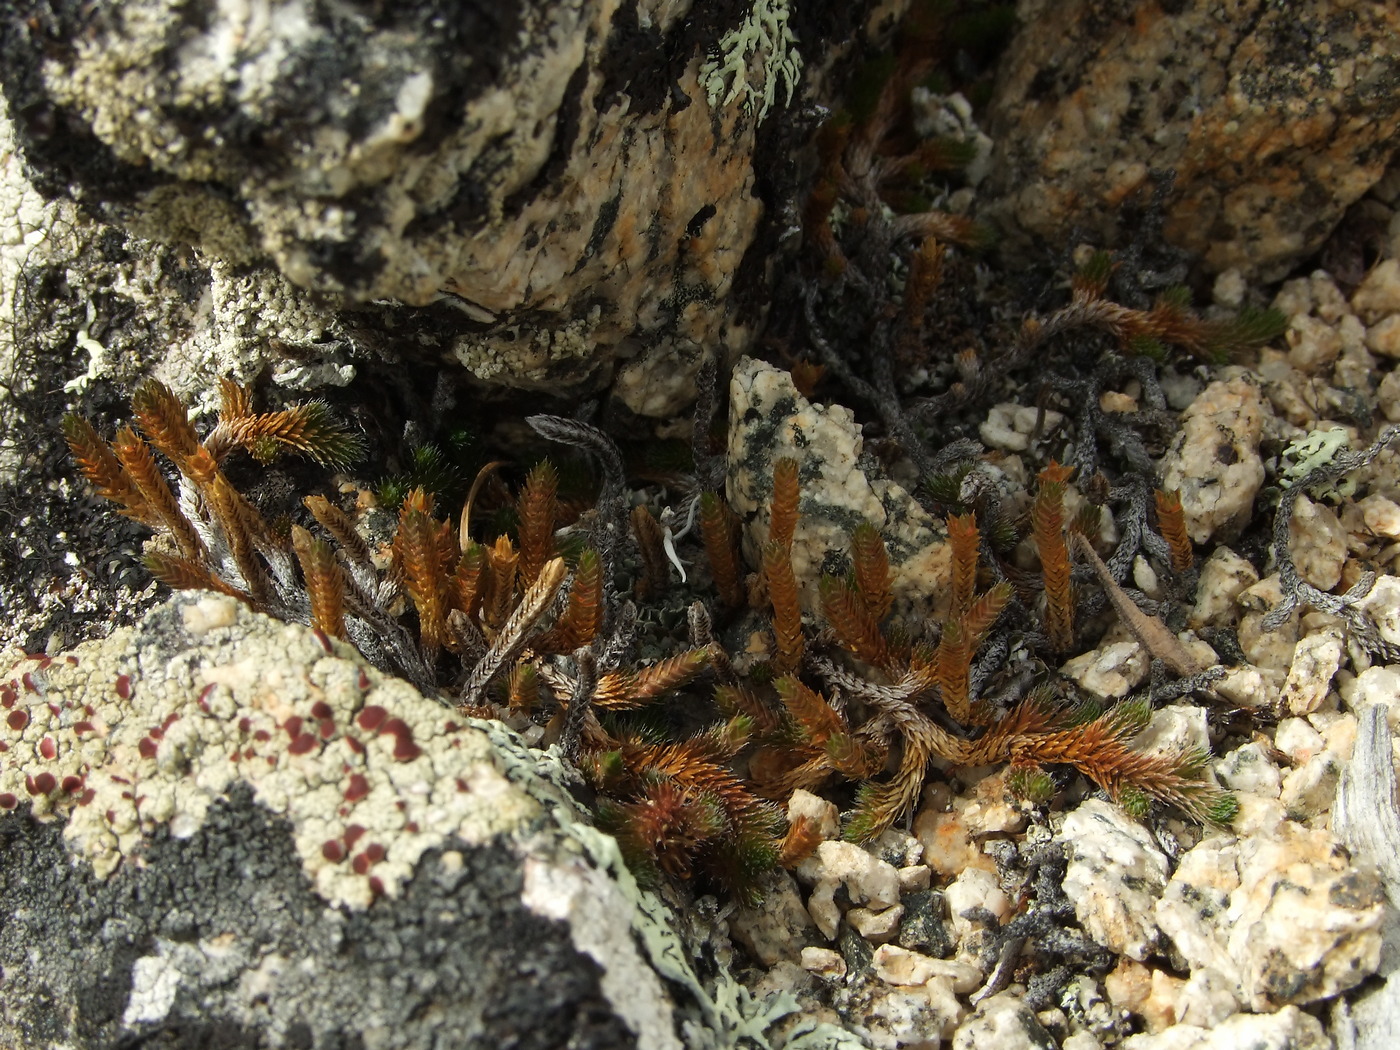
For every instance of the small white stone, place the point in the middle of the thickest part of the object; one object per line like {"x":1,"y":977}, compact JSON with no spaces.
{"x":1009,"y":426}
{"x":1382,"y":605}
{"x":1229,"y":289}
{"x":824,"y":963}
{"x":1248,"y":769}
{"x":1265,"y":649}
{"x":1207,"y":999}
{"x":1313,"y":344}
{"x":1378,"y":684}
{"x":1297,"y":739}
{"x":1382,"y":516}
{"x":915,"y":877}
{"x":1289,"y":1029}
{"x":1328,"y":301}
{"x":1214,"y":460}
{"x":975,"y":888}
{"x":1310,"y":789}
{"x":1315,"y":661}
{"x":1114,"y":876}
{"x":823,"y":814}
{"x":1111,"y":671}
{"x":1384,"y":336}
{"x":895,"y":965}
{"x":1247,"y":687}
{"x":1281,"y":914}
{"x":1388,"y":395}
{"x":1318,"y":543}
{"x":1379,"y":294}
{"x":776,"y":929}
{"x":1005,"y":1022}
{"x":877,"y":927}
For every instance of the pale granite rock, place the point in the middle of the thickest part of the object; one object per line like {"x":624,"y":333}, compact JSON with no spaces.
{"x":1282,"y":915}
{"x":1150,"y":993}
{"x":1111,"y":671}
{"x":1224,"y":576}
{"x":1005,"y":1022}
{"x":1207,"y":999}
{"x":1381,"y":515}
{"x":1214,"y":460}
{"x":975,"y":888}
{"x":1114,"y":876}
{"x":1249,"y":769}
{"x":1309,"y":789}
{"x":1316,"y":659}
{"x":878,"y":926}
{"x":777,"y":929}
{"x":1288,"y":1029}
{"x":867,"y":879}
{"x":1379,"y":684}
{"x":1317,"y":542}
{"x":1382,"y":605}
{"x":1378,"y":295}
{"x":824,"y":962}
{"x":1270,"y":131}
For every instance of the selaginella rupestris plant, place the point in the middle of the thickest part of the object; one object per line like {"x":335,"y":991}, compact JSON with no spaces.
{"x":512,"y":628}
{"x":906,"y":703}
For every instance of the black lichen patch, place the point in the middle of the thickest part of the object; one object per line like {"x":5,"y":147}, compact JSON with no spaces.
{"x":454,"y":961}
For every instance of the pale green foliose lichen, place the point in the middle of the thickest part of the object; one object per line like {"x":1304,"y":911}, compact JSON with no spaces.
{"x":764,"y":32}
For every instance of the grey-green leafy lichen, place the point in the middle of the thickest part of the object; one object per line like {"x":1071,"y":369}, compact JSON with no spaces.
{"x":763,"y":33}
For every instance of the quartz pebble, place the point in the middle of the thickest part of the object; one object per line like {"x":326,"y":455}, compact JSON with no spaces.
{"x":1282,"y":915}
{"x":1207,"y":999}
{"x":775,"y":930}
{"x":877,"y":927}
{"x":1382,"y":605}
{"x":1382,"y":516}
{"x":1379,"y":293}
{"x":1009,"y":426}
{"x":1114,"y":876}
{"x":823,"y":815}
{"x":1150,"y":993}
{"x":1309,"y":789}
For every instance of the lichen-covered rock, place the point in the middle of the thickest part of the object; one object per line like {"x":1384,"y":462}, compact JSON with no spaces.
{"x":1281,"y":914}
{"x":1114,"y":877}
{"x":1214,"y":460}
{"x":1274,"y":118}
{"x":841,"y":486}
{"x":562,"y":178}
{"x":217,"y":823}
